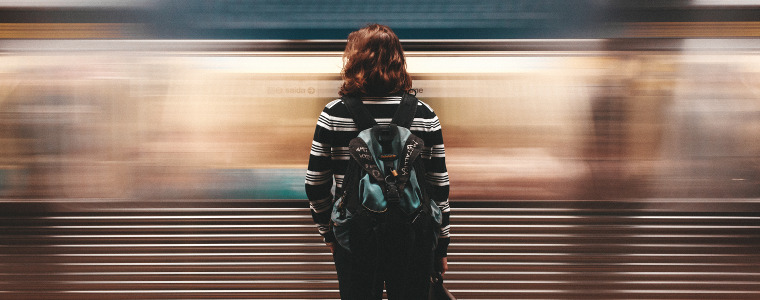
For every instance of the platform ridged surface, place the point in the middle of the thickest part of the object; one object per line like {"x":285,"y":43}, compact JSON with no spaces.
{"x":529,"y":249}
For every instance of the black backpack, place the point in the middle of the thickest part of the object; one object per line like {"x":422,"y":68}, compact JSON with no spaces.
{"x":384,"y":179}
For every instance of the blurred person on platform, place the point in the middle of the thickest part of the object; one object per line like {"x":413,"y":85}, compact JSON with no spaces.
{"x":374,"y":70}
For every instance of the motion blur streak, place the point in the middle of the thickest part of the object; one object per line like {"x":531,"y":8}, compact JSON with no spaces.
{"x":562,"y":125}
{"x":66,"y":31}
{"x":620,"y":163}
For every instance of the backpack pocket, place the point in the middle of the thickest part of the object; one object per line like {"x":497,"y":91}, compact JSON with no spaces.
{"x":341,"y":218}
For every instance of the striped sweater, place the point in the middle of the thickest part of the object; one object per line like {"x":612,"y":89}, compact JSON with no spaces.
{"x":329,"y":158}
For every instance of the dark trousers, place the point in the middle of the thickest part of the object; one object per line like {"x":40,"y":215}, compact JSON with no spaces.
{"x":397,"y":257}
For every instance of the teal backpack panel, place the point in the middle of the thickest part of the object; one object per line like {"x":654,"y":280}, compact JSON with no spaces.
{"x":385,"y":176}
{"x":371,"y":193}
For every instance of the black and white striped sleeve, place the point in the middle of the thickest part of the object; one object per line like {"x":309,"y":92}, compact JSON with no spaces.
{"x":319,"y":175}
{"x":437,"y":175}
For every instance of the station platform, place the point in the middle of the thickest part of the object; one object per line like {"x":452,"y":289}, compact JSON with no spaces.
{"x":269,"y":249}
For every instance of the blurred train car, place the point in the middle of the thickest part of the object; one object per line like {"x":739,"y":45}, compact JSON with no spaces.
{"x":518,"y":125}
{"x":104,"y":99}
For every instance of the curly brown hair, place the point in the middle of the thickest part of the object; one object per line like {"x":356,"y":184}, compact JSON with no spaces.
{"x":374,"y":63}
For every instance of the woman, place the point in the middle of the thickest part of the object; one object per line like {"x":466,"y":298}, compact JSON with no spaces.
{"x":374,"y":69}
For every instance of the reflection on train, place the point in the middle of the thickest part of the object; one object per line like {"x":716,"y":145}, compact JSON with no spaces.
{"x":569,"y":125}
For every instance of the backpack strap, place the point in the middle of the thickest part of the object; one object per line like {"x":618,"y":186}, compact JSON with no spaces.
{"x":406,"y":109}
{"x":359,"y":112}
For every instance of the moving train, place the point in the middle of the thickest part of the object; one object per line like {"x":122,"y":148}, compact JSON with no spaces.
{"x":538,"y":99}
{"x":546,"y":123}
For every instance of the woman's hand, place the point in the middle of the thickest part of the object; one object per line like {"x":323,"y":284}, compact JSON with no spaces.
{"x":442,"y":265}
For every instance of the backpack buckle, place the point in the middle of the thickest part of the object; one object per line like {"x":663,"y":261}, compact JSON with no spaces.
{"x":391,"y":192}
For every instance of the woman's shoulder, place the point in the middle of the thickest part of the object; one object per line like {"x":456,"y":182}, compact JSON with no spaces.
{"x":426,"y":107}
{"x":336,"y":108}
{"x":333,"y":103}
